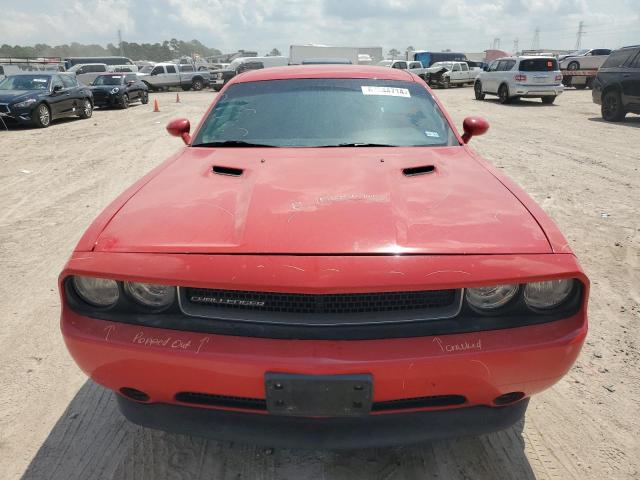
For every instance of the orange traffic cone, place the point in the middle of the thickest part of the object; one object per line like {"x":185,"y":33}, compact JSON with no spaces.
{"x":156,"y":106}
{"x":177,"y":98}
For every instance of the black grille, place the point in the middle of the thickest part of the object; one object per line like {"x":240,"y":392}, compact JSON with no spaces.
{"x":260,"y":404}
{"x":100,"y":96}
{"x":322,"y":304}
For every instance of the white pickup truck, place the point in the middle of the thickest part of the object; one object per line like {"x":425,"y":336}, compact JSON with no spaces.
{"x":412,"y":66}
{"x":445,"y":74}
{"x":165,"y":75}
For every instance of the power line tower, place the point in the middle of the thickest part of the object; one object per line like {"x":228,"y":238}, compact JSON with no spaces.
{"x":579,"y":35}
{"x":120,"y":43}
{"x":535,"y":44}
{"x":516,"y":45}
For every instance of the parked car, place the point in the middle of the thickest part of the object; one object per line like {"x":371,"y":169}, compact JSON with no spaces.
{"x":110,"y":60}
{"x":584,"y":59}
{"x":325,"y":264}
{"x":40,"y":98}
{"x":326,"y":61}
{"x":166,"y":75}
{"x":119,"y":90}
{"x":445,"y":74}
{"x":221,"y":77}
{"x":413,"y":66}
{"x":617,"y":84}
{"x":512,"y":78}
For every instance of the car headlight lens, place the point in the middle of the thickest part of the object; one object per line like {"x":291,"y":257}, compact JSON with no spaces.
{"x":549,"y":294}
{"x":99,"y":292}
{"x":25,"y":104}
{"x":151,"y":295}
{"x":115,"y":90}
{"x":492,"y":297}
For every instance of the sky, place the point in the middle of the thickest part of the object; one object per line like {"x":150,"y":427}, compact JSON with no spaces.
{"x":459,"y":25}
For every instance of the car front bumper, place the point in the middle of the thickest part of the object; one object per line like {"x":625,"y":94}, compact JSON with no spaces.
{"x":20,"y":115}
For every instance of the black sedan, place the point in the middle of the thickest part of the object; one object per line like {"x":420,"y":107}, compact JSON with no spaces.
{"x":40,"y":98}
{"x":118,"y":90}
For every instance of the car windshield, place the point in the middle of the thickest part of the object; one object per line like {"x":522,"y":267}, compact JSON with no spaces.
{"x":326,"y":113}
{"x":538,"y":65}
{"x":146,"y":69}
{"x":578,"y":52}
{"x":26,"y":82}
{"x":108,"y":80}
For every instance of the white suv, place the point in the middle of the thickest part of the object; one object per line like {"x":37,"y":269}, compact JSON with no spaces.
{"x":520,"y":77}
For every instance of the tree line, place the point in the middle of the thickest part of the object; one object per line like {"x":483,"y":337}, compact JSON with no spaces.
{"x":156,"y":52}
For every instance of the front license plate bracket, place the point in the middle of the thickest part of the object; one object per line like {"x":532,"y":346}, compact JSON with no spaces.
{"x":318,"y":395}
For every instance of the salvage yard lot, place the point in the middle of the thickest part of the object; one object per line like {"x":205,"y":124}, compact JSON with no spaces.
{"x":54,"y":424}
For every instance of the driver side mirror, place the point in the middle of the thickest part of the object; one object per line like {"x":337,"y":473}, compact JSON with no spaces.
{"x":180,"y":127}
{"x":485,"y":68}
{"x":57,"y":88}
{"x":474,"y":126}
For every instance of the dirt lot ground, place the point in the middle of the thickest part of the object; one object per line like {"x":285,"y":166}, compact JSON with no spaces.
{"x":54,"y":424}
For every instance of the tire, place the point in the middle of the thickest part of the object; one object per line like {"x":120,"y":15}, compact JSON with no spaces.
{"x":548,"y":100}
{"x":581,"y":86}
{"x":503,"y":94}
{"x":186,"y":88}
{"x":446,"y":82}
{"x":573,"y":66}
{"x":477,"y":89}
{"x":197,"y":84}
{"x":86,"y":110}
{"x":42,"y":116}
{"x":124,"y":102}
{"x":612,"y":110}
{"x":144,"y":98}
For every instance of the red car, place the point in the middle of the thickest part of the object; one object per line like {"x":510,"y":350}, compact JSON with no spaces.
{"x":325,"y":264}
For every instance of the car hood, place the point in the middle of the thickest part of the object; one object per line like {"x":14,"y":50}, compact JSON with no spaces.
{"x":323,"y":201}
{"x":10,"y":96}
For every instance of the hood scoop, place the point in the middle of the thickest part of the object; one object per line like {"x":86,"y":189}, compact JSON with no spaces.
{"x":230,"y":171}
{"x":421,"y":170}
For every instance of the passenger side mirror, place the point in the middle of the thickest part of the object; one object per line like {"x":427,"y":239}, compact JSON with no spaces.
{"x":474,"y":126}
{"x":180,"y":127}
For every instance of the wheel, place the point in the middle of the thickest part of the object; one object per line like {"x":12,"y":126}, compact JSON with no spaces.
{"x":42,"y":116}
{"x":477,"y":89}
{"x":503,"y":94}
{"x":197,"y":84}
{"x":124,"y":101}
{"x":144,"y":98}
{"x":446,"y":82}
{"x":87,"y":109}
{"x":548,"y":100}
{"x":186,"y":88}
{"x":611,"y":109}
{"x":573,"y":66}
{"x":582,"y":86}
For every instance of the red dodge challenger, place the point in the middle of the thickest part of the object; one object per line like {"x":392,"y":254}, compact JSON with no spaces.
{"x":325,"y":264}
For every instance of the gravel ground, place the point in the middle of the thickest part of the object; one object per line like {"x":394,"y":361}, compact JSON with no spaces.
{"x":54,"y":424}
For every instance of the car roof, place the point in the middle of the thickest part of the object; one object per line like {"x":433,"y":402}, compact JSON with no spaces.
{"x":323,"y":71}
{"x":44,"y":73}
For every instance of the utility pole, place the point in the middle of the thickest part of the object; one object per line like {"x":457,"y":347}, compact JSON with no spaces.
{"x":579,"y":35}
{"x":120,"y":43}
{"x":535,"y":44}
{"x":496,"y":44}
{"x":516,"y":46}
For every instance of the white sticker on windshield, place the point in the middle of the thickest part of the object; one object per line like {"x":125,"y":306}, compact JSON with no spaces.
{"x":40,"y":80}
{"x":432,"y":134}
{"x":385,"y":91}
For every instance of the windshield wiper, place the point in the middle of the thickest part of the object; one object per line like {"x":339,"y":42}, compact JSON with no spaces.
{"x":358,"y":145}
{"x":232,"y":143}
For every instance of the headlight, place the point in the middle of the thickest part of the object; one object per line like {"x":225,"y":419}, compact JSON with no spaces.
{"x":151,"y":295}
{"x":25,"y":104}
{"x":550,"y":294}
{"x":115,"y":90}
{"x":99,"y":292}
{"x":490,"y":298}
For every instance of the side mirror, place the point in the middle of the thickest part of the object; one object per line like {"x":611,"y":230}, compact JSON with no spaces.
{"x":57,"y":88}
{"x":485,"y":68}
{"x":474,"y":126}
{"x":130,"y":82}
{"x":180,"y":127}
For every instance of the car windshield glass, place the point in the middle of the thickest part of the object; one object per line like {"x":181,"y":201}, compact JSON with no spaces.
{"x":325,"y":113}
{"x":539,"y":65}
{"x":146,"y":69}
{"x":26,"y":82}
{"x":108,"y":80}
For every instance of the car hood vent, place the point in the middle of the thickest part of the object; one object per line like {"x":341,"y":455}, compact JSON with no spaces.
{"x":231,"y":171}
{"x":421,"y":170}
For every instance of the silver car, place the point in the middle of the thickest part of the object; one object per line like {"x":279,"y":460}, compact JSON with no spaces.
{"x":512,"y":78}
